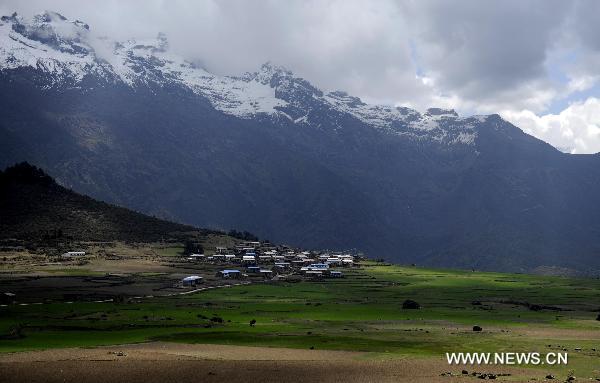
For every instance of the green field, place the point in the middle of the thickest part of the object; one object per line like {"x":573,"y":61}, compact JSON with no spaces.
{"x":361,"y":312}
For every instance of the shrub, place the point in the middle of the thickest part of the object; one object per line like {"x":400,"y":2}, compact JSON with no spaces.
{"x":410,"y":305}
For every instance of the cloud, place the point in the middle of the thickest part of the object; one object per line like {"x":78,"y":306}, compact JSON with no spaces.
{"x":574,"y":130}
{"x":474,"y":56}
{"x":477,"y":45}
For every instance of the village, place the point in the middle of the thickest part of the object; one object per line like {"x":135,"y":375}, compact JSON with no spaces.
{"x":262,"y":260}
{"x":242,"y":262}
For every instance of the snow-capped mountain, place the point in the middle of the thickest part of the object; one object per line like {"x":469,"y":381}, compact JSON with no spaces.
{"x":132,"y":123}
{"x":68,"y":54}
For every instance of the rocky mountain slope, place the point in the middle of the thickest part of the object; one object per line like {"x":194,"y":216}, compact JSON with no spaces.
{"x":134,"y":124}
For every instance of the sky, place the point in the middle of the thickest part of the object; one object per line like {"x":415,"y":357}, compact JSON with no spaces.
{"x":535,"y":62}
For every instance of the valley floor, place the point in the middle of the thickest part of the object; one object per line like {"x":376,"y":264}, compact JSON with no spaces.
{"x":163,"y":362}
{"x":351,"y":329}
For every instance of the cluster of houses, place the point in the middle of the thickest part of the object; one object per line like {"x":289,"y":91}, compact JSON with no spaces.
{"x":263,"y":259}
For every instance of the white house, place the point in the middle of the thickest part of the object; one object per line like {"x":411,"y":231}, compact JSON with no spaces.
{"x":230,"y":274}
{"x":334,"y":261}
{"x":192,"y":280}
{"x":74,"y":254}
{"x":318,"y":266}
{"x":248,"y":259}
{"x":265,"y":258}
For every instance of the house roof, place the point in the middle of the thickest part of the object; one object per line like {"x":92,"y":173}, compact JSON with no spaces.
{"x":192,"y":278}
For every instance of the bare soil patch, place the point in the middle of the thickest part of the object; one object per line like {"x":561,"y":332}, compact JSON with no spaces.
{"x":165,"y":362}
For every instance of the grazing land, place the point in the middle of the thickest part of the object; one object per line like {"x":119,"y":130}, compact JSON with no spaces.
{"x":126,"y":310}
{"x":361,"y":314}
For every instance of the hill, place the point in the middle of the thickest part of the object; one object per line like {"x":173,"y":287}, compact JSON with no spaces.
{"x":33,"y":206}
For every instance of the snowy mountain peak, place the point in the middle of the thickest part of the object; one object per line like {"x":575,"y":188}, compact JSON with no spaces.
{"x":12,"y":18}
{"x":146,"y":47}
{"x":57,"y":22}
{"x":343,"y":97}
{"x":67,"y":53}
{"x":440,"y":112}
{"x":51,"y":29}
{"x":269,"y":71}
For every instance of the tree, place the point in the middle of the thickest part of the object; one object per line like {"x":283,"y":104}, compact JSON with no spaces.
{"x":410,"y":305}
{"x":190,"y":247}
{"x":243,"y":235}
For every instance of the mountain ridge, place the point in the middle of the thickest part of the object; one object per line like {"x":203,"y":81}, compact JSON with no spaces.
{"x":271,"y":90}
{"x":297,"y":165}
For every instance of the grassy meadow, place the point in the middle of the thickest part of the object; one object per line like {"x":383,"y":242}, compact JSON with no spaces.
{"x":362,"y":312}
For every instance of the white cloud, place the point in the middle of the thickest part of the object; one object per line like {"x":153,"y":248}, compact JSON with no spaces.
{"x":476,"y":57}
{"x":574,"y":130}
{"x":369,"y":49}
{"x":581,"y":83}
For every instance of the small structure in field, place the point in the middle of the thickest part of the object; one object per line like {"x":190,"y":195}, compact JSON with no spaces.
{"x":73,"y":254}
{"x":334,"y":261}
{"x":316,"y":267}
{"x":314,"y":274}
{"x":192,"y":280}
{"x":196,"y":257}
{"x":265,"y":258}
{"x":7,"y":298}
{"x":267,"y":274}
{"x":335,"y":274}
{"x":281,"y":266}
{"x":248,"y":259}
{"x":230,"y":274}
